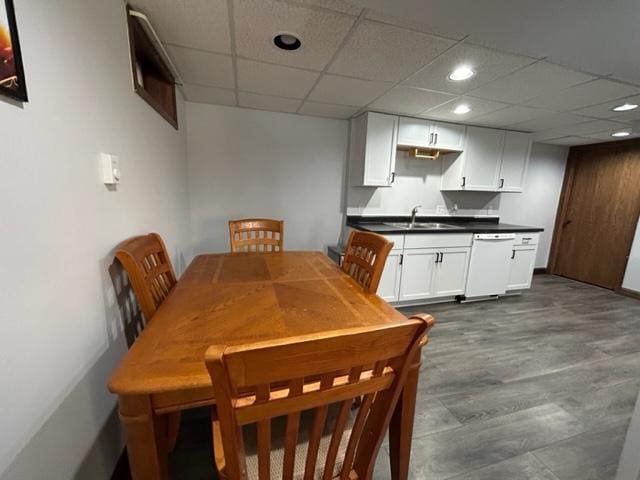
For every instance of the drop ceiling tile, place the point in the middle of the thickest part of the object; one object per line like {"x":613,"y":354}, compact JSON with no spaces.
{"x":411,"y":24}
{"x":569,"y":141}
{"x":327,"y":110}
{"x":583,"y":95}
{"x":510,"y":115}
{"x":488,"y":65}
{"x":478,"y":107}
{"x":268,"y":102}
{"x":347,"y":91}
{"x":604,"y":110}
{"x":202,"y":24}
{"x":581,"y":129}
{"x":350,"y":8}
{"x":530,"y":82}
{"x":549,"y":121}
{"x":277,"y":80}
{"x":377,"y":51}
{"x":203,"y":68}
{"x":409,"y":100}
{"x":214,"y":95}
{"x":258,"y":21}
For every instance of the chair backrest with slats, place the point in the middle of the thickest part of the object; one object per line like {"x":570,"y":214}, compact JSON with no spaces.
{"x":256,"y":235}
{"x":257,"y":383}
{"x":365,"y":257}
{"x":149,"y":270}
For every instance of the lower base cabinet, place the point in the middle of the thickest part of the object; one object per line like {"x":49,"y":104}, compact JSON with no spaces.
{"x":433,"y":272}
{"x":523,"y":262}
{"x":424,"y":267}
{"x":389,"y":286}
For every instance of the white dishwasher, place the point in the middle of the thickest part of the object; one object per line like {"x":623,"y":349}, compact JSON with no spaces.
{"x":489,"y":265}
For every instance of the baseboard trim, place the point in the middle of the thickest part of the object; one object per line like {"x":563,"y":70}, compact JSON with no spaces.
{"x":540,"y":271}
{"x":628,"y":293}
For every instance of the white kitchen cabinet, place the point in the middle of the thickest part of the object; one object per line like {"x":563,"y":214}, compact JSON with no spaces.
{"x":415,"y":132}
{"x":417,"y":281}
{"x":523,"y":260}
{"x":451,"y":271}
{"x":513,"y":165}
{"x":448,"y":136}
{"x":389,"y":286}
{"x":373,"y":150}
{"x":481,"y":156}
{"x":492,"y":161}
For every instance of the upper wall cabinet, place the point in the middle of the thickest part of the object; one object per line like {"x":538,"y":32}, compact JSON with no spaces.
{"x":415,"y":132}
{"x":492,"y":161}
{"x":515,"y":157}
{"x":373,"y":150}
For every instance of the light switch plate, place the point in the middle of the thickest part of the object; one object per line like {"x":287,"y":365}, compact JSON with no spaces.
{"x":110,"y":169}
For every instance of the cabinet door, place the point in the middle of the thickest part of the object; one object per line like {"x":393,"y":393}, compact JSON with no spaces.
{"x":414,"y":132}
{"x":515,"y":156}
{"x":482,"y":153}
{"x":389,"y":287}
{"x":451,"y":271}
{"x":380,"y":149}
{"x":417,"y":274}
{"x":448,"y":136}
{"x":523,"y":260}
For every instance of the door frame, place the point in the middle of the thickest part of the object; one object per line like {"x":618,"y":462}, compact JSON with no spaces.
{"x":565,"y":197}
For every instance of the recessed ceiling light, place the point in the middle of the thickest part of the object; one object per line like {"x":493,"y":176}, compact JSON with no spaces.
{"x":462,"y":109}
{"x":622,"y":133}
{"x":287,"y":41}
{"x":463,"y":72}
{"x":625,"y":107}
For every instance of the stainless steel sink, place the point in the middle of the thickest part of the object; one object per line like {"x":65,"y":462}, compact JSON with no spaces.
{"x":422,"y":226}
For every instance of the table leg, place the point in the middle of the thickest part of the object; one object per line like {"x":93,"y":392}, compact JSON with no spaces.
{"x":146,"y":437}
{"x":401,"y":428}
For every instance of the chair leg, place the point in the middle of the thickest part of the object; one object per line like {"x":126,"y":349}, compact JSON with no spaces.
{"x":173,"y":429}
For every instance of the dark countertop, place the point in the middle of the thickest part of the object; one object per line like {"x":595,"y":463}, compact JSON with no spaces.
{"x":462,"y":224}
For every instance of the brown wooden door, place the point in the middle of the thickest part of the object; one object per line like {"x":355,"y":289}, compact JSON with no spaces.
{"x":598,"y":213}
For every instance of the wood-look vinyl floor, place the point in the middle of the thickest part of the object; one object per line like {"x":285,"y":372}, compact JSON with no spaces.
{"x":534,"y":387}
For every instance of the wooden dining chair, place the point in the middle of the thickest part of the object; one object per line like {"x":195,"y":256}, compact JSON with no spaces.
{"x":364,"y":258}
{"x":256,"y":235}
{"x":322,"y":375}
{"x":149,"y":270}
{"x":152,"y":277}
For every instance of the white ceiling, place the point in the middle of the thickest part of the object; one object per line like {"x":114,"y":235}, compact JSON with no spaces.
{"x":555,"y":68}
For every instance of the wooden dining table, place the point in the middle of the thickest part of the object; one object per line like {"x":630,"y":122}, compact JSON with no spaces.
{"x":227,"y":299}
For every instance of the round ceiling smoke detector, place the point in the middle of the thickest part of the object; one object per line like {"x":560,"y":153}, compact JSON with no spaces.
{"x":287,"y":41}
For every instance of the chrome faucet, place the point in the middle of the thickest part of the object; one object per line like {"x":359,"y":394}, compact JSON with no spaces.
{"x":414,"y":211}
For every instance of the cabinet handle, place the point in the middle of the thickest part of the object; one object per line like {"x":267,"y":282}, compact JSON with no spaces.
{"x":436,"y":139}
{"x":431,"y":139}
{"x":501,"y":183}
{"x":513,"y":254}
{"x":393,"y":177}
{"x":441,"y":257}
{"x":464,"y":181}
{"x":401,"y":258}
{"x":437,"y":256}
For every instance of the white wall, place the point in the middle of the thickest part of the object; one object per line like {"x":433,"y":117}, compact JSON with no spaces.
{"x":250,"y":163}
{"x":59,"y":327}
{"x":418,"y":182}
{"x":632,"y":275}
{"x":538,"y":204}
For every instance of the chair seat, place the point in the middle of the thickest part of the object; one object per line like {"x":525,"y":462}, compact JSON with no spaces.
{"x":278,"y":429}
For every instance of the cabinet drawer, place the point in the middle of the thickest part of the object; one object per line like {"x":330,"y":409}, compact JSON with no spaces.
{"x":438,"y":240}
{"x":527,"y":238}
{"x":397,"y":239}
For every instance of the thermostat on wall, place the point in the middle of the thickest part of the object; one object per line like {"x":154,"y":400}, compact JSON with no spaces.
{"x":110,"y":169}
